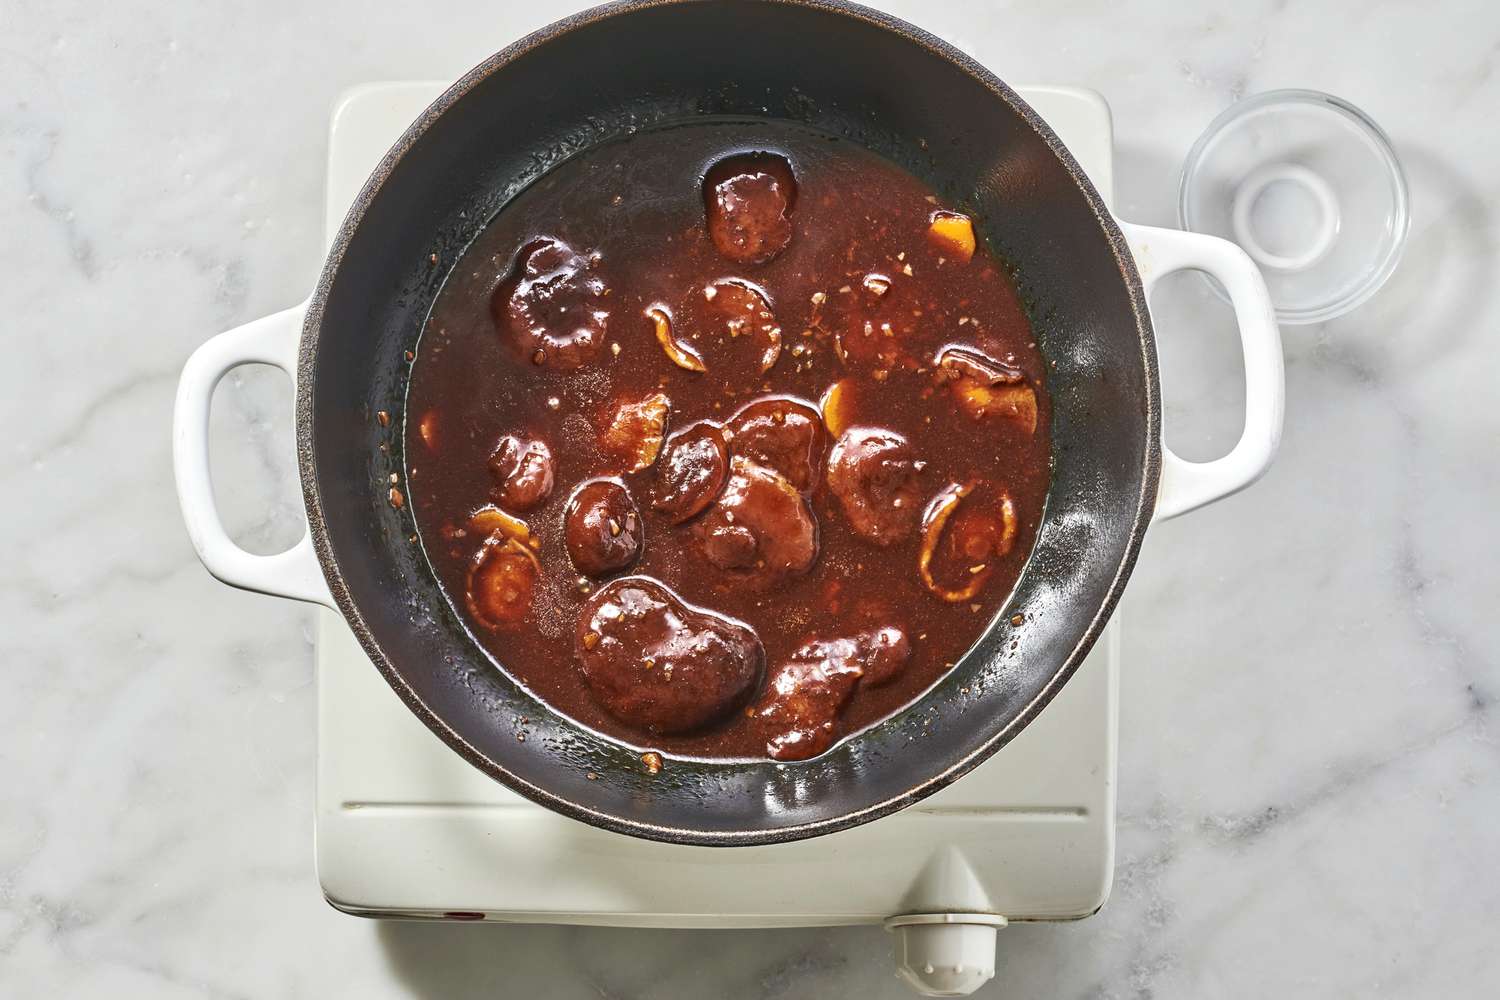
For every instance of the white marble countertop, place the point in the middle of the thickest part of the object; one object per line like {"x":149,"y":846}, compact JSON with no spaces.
{"x":1309,"y":772}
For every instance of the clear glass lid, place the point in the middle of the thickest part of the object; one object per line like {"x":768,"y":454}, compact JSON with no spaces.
{"x":1311,"y":189}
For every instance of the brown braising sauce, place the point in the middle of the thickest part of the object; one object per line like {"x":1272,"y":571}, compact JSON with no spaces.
{"x":727,"y":440}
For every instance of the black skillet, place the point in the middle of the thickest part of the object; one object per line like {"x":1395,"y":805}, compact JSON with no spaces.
{"x":840,"y":68}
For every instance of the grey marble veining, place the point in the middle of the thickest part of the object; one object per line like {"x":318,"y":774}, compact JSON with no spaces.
{"x":1309,"y":772}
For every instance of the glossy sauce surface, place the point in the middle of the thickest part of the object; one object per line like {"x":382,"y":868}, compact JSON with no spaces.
{"x":722,"y":442}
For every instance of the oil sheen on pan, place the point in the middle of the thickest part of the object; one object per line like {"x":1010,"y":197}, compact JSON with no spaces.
{"x":728,"y":440}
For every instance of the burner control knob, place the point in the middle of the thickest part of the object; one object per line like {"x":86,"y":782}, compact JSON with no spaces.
{"x":945,"y":954}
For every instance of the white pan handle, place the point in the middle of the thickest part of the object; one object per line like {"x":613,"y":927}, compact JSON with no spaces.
{"x":271,"y":340}
{"x":1188,"y":485}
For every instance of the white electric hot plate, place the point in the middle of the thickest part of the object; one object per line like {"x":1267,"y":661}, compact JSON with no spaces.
{"x":406,"y":828}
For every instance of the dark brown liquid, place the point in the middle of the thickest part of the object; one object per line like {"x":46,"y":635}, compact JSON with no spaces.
{"x":639,"y":204}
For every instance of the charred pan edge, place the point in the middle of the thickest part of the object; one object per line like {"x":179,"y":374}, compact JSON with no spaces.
{"x":306,"y":459}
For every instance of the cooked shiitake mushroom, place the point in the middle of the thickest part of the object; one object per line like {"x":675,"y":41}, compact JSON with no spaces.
{"x":784,"y":434}
{"x":551,"y":305}
{"x":691,"y":471}
{"x":658,"y":663}
{"x":761,"y":528}
{"x":602,"y":528}
{"x":745,"y":311}
{"x":501,"y":580}
{"x":522,"y":468}
{"x":807,"y":692}
{"x":873,"y":473}
{"x":959,"y":361}
{"x":748,"y":200}
{"x":973,"y":544}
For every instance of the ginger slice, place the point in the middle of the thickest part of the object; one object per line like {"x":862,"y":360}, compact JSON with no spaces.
{"x":635,"y":433}
{"x":836,"y":405}
{"x":491,"y":520}
{"x":681,"y":355}
{"x":954,"y":233}
{"x":1016,"y":403}
{"x":984,"y":387}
